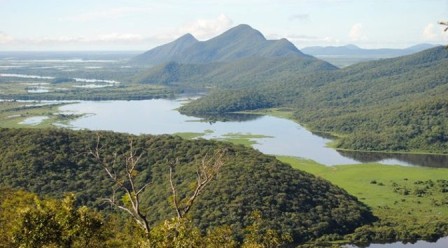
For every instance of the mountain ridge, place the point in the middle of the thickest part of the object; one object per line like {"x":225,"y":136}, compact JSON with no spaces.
{"x":353,"y":50}
{"x":165,"y":53}
{"x":241,"y":41}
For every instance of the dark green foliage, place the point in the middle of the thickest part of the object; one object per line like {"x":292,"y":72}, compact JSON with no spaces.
{"x":99,"y":94}
{"x":52,"y":162}
{"x":229,"y":101}
{"x":242,"y":73}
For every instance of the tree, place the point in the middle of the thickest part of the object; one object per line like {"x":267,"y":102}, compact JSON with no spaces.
{"x":122,"y":170}
{"x":123,"y":177}
{"x":205,"y":172}
{"x":51,"y":223}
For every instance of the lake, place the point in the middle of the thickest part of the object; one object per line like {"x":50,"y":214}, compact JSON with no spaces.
{"x":280,"y":136}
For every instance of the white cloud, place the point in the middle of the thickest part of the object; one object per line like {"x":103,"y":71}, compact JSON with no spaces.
{"x":4,"y":38}
{"x":357,"y":32}
{"x":113,"y":13}
{"x":206,"y":28}
{"x":433,"y":33}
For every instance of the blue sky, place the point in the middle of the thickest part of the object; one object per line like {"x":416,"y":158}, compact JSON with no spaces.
{"x":144,"y":24}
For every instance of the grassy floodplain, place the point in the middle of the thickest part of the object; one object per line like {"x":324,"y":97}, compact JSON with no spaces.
{"x":245,"y":139}
{"x":402,"y":197}
{"x":13,"y":113}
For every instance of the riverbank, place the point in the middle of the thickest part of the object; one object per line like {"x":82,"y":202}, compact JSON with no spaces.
{"x":287,"y":113}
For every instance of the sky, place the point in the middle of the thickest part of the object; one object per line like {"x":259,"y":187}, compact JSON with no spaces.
{"x":46,"y":25}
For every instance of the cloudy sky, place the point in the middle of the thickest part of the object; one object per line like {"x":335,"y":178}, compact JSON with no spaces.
{"x":144,"y":24}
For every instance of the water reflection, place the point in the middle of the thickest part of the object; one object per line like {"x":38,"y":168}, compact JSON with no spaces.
{"x":285,"y":136}
{"x":441,"y":243}
{"x":439,"y":161}
{"x":229,"y":117}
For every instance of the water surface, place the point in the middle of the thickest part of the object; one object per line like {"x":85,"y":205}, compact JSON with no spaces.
{"x":441,"y":243}
{"x":285,"y":137}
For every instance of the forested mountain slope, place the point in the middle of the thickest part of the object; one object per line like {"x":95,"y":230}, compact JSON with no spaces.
{"x":242,"y":73}
{"x":53,"y":162}
{"x":397,"y":104}
{"x":239,"y":57}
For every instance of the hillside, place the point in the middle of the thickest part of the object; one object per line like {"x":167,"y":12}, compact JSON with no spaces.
{"x":238,"y":58}
{"x":239,"y":42}
{"x":394,"y":104}
{"x":53,"y":162}
{"x":241,"y":73}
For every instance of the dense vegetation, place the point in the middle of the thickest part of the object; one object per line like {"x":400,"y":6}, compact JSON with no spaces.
{"x":396,"y":104}
{"x":53,"y":162}
{"x":245,"y":72}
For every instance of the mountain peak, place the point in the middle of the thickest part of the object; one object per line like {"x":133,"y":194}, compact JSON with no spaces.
{"x":241,"y":41}
{"x":166,"y":53}
{"x":187,"y":37}
{"x":244,"y":31}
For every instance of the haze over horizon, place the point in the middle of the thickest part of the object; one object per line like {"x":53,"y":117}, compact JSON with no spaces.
{"x":141,"y":25}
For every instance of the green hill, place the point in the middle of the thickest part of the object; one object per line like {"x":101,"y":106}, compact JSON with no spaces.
{"x":241,"y":73}
{"x":394,"y":104}
{"x":53,"y":162}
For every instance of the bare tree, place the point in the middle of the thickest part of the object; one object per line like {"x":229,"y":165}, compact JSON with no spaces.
{"x":206,"y":171}
{"x":122,"y":171}
{"x":124,"y":181}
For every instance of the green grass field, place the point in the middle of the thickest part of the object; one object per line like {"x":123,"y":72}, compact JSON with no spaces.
{"x":412,"y":196}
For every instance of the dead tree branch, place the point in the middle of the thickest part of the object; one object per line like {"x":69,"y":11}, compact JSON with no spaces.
{"x":206,"y":171}
{"x":124,"y":180}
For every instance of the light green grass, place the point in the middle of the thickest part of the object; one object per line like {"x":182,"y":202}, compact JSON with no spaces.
{"x":193,"y":135}
{"x":13,"y":113}
{"x":243,"y":139}
{"x":190,"y":135}
{"x":376,"y":185}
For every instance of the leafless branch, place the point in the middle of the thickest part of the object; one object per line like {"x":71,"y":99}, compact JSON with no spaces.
{"x":206,"y":171}
{"x":124,"y":182}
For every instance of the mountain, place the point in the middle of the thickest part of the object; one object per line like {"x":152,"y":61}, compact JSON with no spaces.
{"x":167,"y":52}
{"x":396,"y":104}
{"x":239,"y":42}
{"x":241,"y":73}
{"x":238,"y":57}
{"x":353,"y":50}
{"x":52,"y":162}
